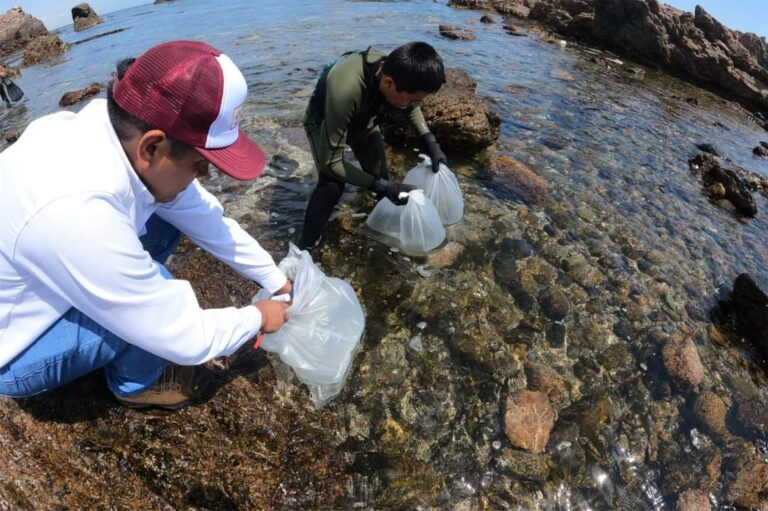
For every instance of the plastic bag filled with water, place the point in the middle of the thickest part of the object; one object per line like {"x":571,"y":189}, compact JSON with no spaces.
{"x":325,"y":323}
{"x":420,"y":227}
{"x":441,"y":187}
{"x":385,"y":218}
{"x":416,"y":228}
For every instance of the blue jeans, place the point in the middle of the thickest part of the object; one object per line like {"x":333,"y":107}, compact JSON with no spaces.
{"x":76,"y":345}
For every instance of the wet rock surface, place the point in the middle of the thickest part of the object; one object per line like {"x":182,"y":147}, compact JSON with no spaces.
{"x":75,"y":96}
{"x":459,"y":120}
{"x":747,"y":305}
{"x":682,"y":361}
{"x":724,"y":183}
{"x":528,"y":420}
{"x":43,"y":48}
{"x":83,"y":16}
{"x":17,"y":29}
{"x":461,"y":33}
{"x":693,"y":500}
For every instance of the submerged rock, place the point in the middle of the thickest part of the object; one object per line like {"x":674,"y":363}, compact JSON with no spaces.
{"x":734,"y":189}
{"x":487,"y":19}
{"x":83,"y":16}
{"x":528,"y":420}
{"x":693,"y":500}
{"x":711,"y":411}
{"x":17,"y":29}
{"x":760,"y":151}
{"x":459,"y":120}
{"x":525,"y":465}
{"x":42,"y":49}
{"x":520,"y":177}
{"x":682,"y":361}
{"x":75,"y":96}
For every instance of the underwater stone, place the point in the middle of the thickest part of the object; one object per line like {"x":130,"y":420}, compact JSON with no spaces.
{"x":528,"y":420}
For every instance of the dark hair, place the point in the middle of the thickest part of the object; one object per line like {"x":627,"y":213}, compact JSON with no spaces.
{"x":415,"y":67}
{"x":126,"y":125}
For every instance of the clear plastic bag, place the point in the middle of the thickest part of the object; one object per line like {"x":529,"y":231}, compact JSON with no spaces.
{"x":441,"y":187}
{"x":325,"y":324}
{"x":420,"y":227}
{"x":385,"y":218}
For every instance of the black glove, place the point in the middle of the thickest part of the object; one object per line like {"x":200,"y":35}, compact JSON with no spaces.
{"x":392,"y":190}
{"x":433,"y":148}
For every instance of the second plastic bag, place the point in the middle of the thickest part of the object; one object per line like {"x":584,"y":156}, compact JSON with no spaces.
{"x":325,"y":323}
{"x":420,"y":227}
{"x":441,"y":187}
{"x":416,"y":227}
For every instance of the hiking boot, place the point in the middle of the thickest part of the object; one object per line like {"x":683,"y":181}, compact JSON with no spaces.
{"x":173,"y":390}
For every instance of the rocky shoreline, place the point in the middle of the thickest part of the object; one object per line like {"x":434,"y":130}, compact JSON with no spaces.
{"x":694,"y":46}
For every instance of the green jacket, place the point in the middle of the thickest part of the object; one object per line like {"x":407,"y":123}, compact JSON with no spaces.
{"x":344,"y":106}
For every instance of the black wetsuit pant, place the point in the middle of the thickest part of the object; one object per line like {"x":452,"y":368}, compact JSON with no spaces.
{"x":368,"y":147}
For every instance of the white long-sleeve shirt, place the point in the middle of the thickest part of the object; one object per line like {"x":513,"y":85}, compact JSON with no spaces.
{"x":71,"y":212}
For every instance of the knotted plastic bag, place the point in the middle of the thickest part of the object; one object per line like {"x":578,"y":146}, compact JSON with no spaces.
{"x":420,"y":227}
{"x":325,"y":323}
{"x":441,"y":187}
{"x":416,"y":227}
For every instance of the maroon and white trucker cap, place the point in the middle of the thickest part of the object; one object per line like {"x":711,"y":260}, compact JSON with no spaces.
{"x":194,"y":93}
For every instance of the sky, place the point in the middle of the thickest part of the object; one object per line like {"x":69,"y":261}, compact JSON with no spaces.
{"x":743,"y":15}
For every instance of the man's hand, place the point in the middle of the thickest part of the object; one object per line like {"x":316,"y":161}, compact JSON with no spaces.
{"x":284,"y":294}
{"x":273,"y":315}
{"x":435,"y":153}
{"x":393,"y":191}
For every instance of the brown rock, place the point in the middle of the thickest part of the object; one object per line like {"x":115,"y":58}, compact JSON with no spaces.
{"x":445,"y":256}
{"x":749,"y":489}
{"x":83,"y":16}
{"x":561,"y":74}
{"x":682,"y":361}
{"x":520,"y":177}
{"x":528,"y":420}
{"x":17,"y":29}
{"x":72,"y":97}
{"x":752,"y":415}
{"x":711,"y":411}
{"x":462,"y":34}
{"x":716,"y":191}
{"x":693,"y":500}
{"x":459,"y":120}
{"x":487,"y":19}
{"x":42,"y":49}
{"x":545,"y":379}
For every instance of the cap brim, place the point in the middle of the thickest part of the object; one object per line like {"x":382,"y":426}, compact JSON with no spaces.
{"x":242,"y":160}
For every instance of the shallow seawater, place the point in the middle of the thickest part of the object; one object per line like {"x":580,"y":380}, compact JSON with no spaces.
{"x":623,"y":251}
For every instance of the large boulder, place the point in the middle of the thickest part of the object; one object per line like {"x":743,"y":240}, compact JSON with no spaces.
{"x":42,"y":49}
{"x":459,"y":120}
{"x":83,"y":16}
{"x":749,"y":303}
{"x":18,"y":28}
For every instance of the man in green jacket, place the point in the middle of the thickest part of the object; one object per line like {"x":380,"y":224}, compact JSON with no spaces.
{"x":350,"y":94}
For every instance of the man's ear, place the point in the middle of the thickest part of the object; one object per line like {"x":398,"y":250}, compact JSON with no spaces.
{"x":388,"y":83}
{"x":151,"y":147}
